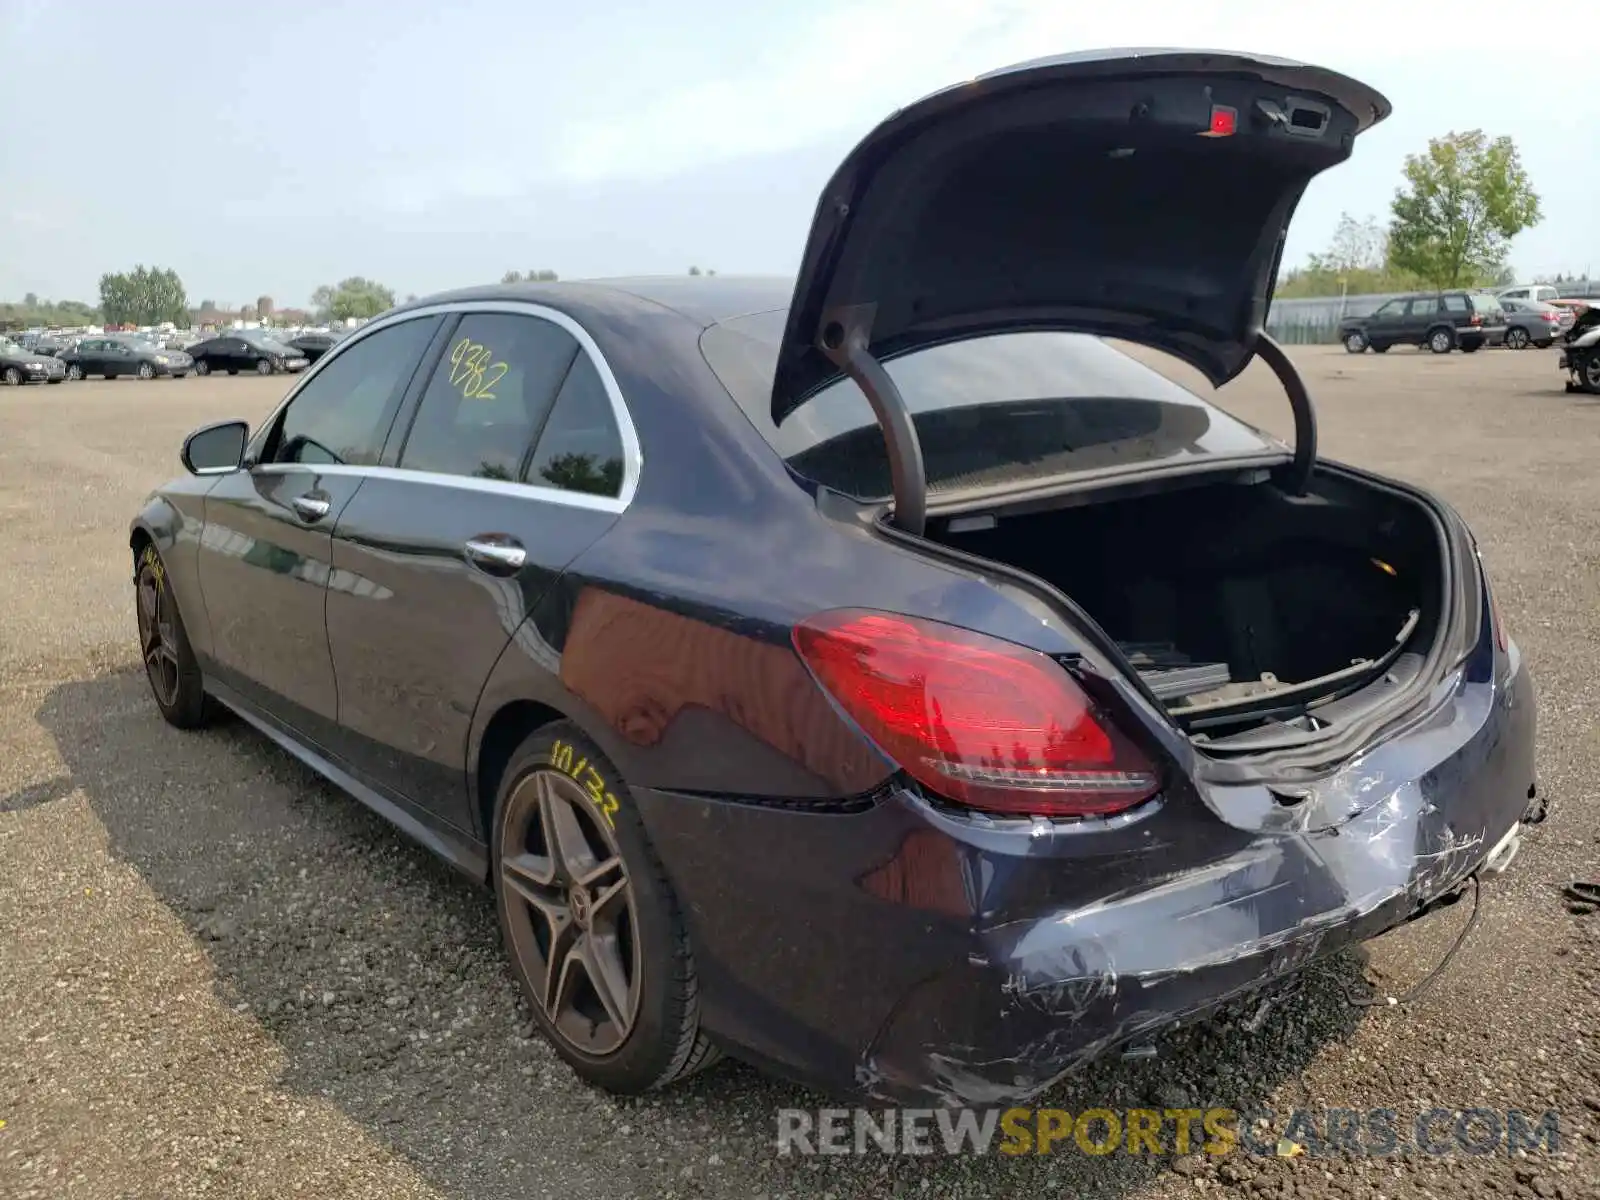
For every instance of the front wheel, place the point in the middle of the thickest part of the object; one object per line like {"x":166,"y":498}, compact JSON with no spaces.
{"x":146,"y":371}
{"x":13,"y":377}
{"x":1588,"y":372}
{"x":1441,"y":341}
{"x":169,"y":662}
{"x":1516,"y":339}
{"x":1355,"y":342}
{"x":594,"y":933}
{"x":202,"y":367}
{"x":74,"y":371}
{"x":263,"y":367}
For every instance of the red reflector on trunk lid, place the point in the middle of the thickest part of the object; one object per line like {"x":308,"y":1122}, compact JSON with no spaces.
{"x":985,"y":722}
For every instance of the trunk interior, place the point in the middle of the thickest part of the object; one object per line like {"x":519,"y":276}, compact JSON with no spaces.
{"x":1240,"y":605}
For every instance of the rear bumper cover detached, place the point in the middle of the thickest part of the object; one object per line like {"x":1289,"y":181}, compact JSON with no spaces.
{"x":912,"y":956}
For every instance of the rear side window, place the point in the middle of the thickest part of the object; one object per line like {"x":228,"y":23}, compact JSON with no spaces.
{"x":343,"y":413}
{"x":988,"y":410}
{"x":1423,"y":306}
{"x":580,"y":449}
{"x":1455,"y":304}
{"x":489,"y":396}
{"x":1486,"y":305}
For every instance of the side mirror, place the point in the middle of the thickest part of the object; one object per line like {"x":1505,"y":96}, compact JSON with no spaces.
{"x":215,"y":449}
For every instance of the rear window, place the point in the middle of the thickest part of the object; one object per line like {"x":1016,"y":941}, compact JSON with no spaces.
{"x":988,"y":410}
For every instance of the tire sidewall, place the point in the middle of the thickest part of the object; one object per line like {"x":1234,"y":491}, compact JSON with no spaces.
{"x":653,"y":1047}
{"x":189,"y":705}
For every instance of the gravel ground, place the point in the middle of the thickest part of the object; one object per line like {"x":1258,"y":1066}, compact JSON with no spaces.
{"x":222,"y":978}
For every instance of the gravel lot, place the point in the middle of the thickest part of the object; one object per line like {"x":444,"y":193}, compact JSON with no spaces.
{"x":221,"y":977}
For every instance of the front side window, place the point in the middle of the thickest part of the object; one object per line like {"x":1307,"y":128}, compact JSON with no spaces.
{"x":489,"y":396}
{"x":989,"y":410}
{"x":1390,"y":309}
{"x":344,"y":411}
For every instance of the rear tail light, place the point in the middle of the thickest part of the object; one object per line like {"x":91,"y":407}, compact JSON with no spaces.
{"x":1550,"y":316}
{"x":1475,"y":319}
{"x":984,"y":722}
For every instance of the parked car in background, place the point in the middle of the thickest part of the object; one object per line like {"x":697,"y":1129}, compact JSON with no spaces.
{"x":113,"y":356}
{"x":1441,"y":321}
{"x":877,"y":673}
{"x":245,"y":350}
{"x":1576,"y":305}
{"x":1533,"y":323}
{"x":313,"y":344}
{"x":19,"y":365}
{"x":1542,"y":292}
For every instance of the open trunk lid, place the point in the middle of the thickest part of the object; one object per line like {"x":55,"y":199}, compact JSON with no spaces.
{"x":1139,"y":194}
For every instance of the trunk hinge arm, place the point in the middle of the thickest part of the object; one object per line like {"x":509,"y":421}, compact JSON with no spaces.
{"x":1305,"y":414}
{"x":845,"y":338}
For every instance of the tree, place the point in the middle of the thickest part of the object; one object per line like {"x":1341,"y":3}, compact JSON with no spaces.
{"x":1356,"y":246}
{"x":511,"y":277}
{"x":542,"y":275}
{"x":208,"y":306}
{"x":264,"y":306}
{"x":31,"y":300}
{"x":143,"y":296}
{"x":353,"y":297}
{"x":694,"y":270}
{"x":1459,"y":205}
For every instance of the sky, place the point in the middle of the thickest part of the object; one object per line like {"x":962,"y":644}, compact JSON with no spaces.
{"x":271,"y":147}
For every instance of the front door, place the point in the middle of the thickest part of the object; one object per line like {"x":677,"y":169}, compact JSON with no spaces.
{"x":512,"y":465}
{"x":266,"y":549}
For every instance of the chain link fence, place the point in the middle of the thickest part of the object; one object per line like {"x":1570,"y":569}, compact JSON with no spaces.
{"x":1315,"y":320}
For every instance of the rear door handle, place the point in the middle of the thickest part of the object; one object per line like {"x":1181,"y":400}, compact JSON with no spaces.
{"x":496,"y":553}
{"x":310,"y":508}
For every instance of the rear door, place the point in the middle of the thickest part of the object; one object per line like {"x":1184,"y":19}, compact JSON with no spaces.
{"x":1422,"y":312}
{"x":266,"y":549}
{"x":513,"y":462}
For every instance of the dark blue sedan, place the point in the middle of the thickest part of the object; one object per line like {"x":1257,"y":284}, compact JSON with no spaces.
{"x":876,"y":675}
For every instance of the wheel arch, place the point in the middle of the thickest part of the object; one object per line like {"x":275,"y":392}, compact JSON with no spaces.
{"x":512,"y":724}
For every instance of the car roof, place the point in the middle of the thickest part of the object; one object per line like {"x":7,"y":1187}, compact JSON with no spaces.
{"x":703,"y":299}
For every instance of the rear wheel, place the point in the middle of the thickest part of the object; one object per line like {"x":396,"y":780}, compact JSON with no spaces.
{"x":169,"y":662}
{"x":263,"y":367}
{"x":74,"y":371}
{"x":1441,"y":341}
{"x":13,"y":377}
{"x":1355,"y":342}
{"x":1517,"y":338}
{"x":202,"y":367}
{"x":591,"y":925}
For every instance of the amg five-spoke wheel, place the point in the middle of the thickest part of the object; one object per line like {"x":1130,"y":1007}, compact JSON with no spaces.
{"x":576,"y":921}
{"x":157,"y":641}
{"x":590,"y":922}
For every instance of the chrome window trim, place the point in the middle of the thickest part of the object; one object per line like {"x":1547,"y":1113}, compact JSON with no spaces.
{"x":472,"y":483}
{"x":632,"y":454}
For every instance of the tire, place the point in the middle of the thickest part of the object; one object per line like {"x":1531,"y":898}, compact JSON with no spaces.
{"x":55,"y":381}
{"x":74,"y":371}
{"x":12,"y":377}
{"x":1588,"y":372}
{"x":1380,"y":347}
{"x":263,"y":367}
{"x":168,"y":660}
{"x":146,"y":371}
{"x":1471,"y":347}
{"x":231,"y":371}
{"x":1516,"y":338}
{"x":202,"y":367}
{"x":1441,"y":341}
{"x":558,"y":775}
{"x":1355,"y":342}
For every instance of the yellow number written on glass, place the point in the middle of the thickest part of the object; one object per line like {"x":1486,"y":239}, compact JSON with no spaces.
{"x":473,"y":370}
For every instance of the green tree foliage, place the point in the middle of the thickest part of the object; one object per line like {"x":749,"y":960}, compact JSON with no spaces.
{"x":143,"y":296}
{"x":1459,"y":205}
{"x":353,"y":297}
{"x":1355,"y":263}
{"x":35,"y":313}
{"x":264,"y":306}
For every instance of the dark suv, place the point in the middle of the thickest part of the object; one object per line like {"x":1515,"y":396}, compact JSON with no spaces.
{"x":1441,"y":321}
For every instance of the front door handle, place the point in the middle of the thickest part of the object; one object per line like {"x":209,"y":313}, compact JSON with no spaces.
{"x":496,"y":553}
{"x":310,"y":508}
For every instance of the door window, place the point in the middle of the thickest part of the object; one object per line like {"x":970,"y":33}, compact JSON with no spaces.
{"x":580,"y":449}
{"x":1456,"y":305}
{"x":489,"y":396}
{"x":1422,"y":306}
{"x":344,"y":411}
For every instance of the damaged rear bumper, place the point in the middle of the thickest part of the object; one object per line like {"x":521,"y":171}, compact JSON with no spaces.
{"x":1045,"y":996}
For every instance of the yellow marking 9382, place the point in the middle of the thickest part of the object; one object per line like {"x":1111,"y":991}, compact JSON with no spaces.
{"x":472,"y":371}
{"x":562,"y":758}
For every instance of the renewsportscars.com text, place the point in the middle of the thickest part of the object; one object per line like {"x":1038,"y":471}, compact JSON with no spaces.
{"x":1371,"y":1132}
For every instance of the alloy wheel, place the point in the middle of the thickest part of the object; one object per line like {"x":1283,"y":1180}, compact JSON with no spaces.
{"x":1355,"y":343}
{"x":1440,"y":342}
{"x":157,"y":642}
{"x":571,"y":912}
{"x":1517,"y":339}
{"x":1591,"y":371}
{"x":202,"y":367}
{"x":74,"y":371}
